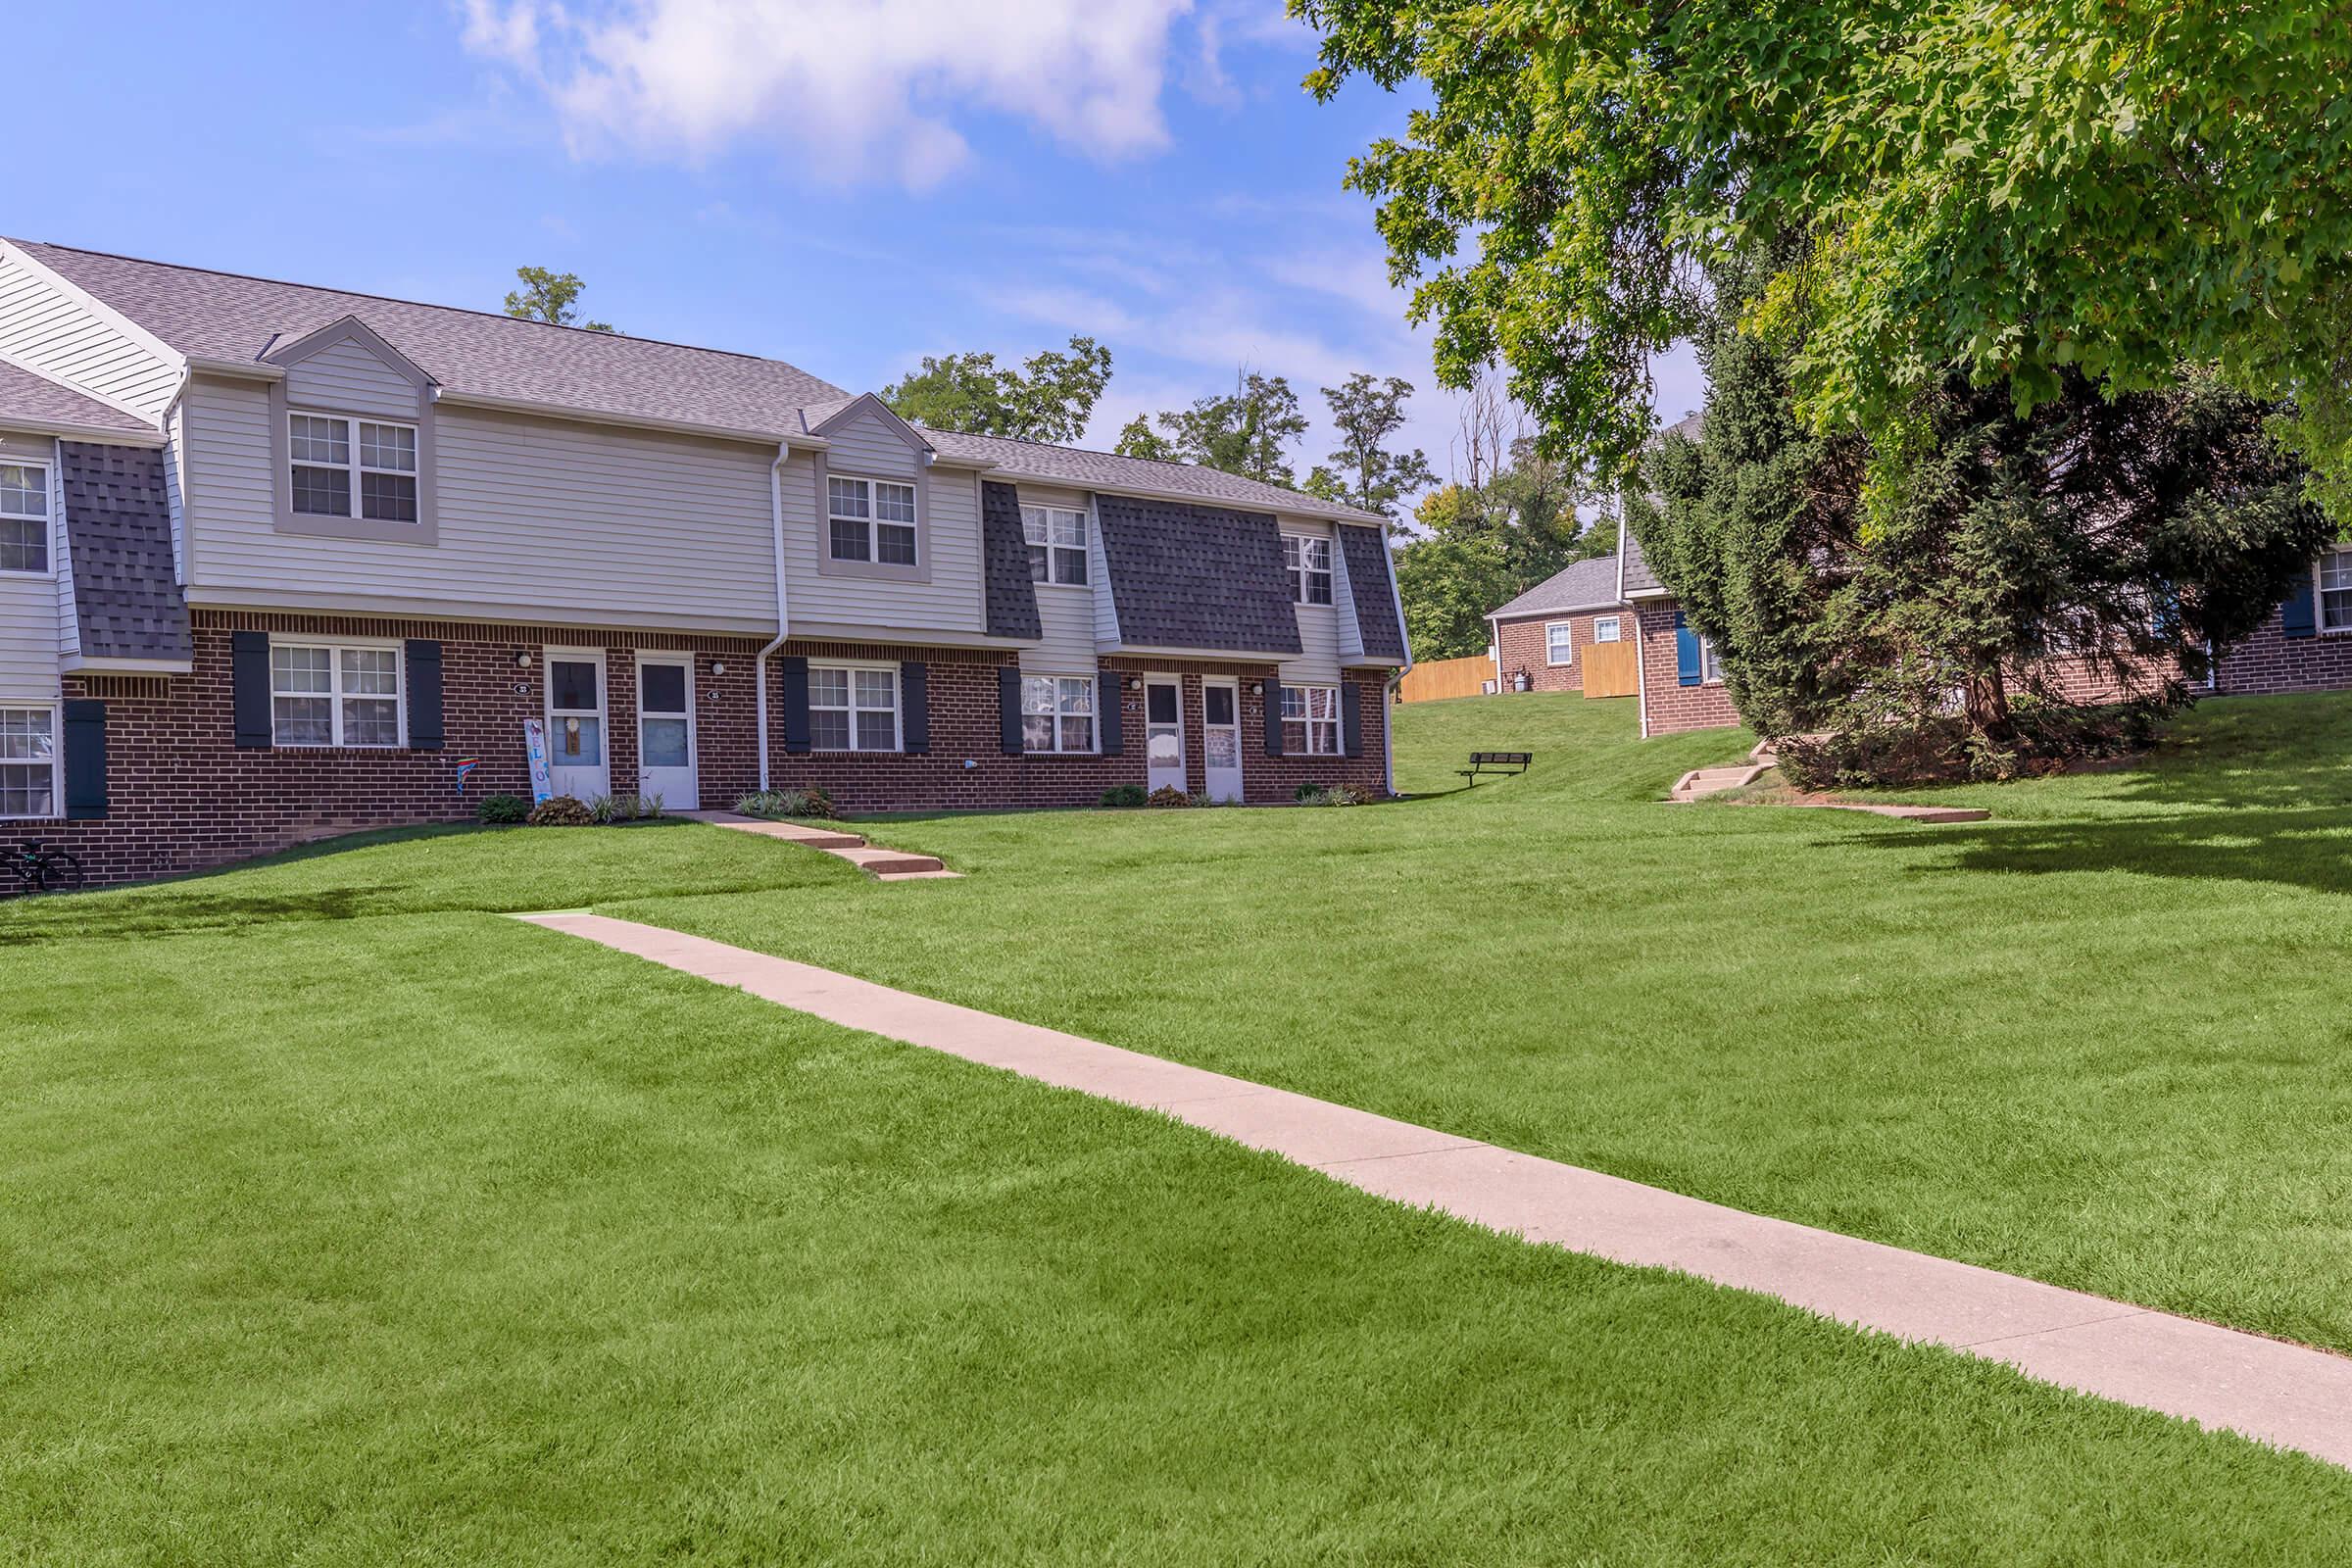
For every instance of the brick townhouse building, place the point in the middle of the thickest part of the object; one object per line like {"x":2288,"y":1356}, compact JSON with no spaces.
{"x":277,"y":560}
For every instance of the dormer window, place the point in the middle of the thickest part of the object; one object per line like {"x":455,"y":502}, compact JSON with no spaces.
{"x":870,"y":519}
{"x":1307,"y":559}
{"x":1056,"y":539}
{"x":337,"y":462}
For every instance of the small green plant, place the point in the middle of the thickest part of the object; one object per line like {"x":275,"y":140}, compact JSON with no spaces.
{"x":1123,"y":795}
{"x":563,"y":810}
{"x":808,"y":802}
{"x":1167,"y":795}
{"x":611,"y":809}
{"x":1330,"y":794}
{"x":502,"y":811}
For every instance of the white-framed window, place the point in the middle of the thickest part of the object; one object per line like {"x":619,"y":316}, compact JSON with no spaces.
{"x":1605,"y":629}
{"x":1710,"y":664}
{"x":28,"y":763}
{"x":1306,"y":558}
{"x":25,"y":516}
{"x":1310,"y":720}
{"x":1058,"y":713}
{"x":2335,"y":591}
{"x":1056,"y":539}
{"x":338,"y":462}
{"x":870,"y":519}
{"x":1559,"y":642}
{"x":335,"y":694}
{"x":853,"y":708}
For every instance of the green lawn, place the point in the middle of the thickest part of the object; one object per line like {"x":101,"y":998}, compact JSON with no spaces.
{"x":342,"y":1221}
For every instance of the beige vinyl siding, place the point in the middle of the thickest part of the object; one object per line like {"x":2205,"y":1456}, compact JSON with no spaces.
{"x":348,"y":379}
{"x":1342,"y":600}
{"x":1318,"y":661}
{"x":539,"y":519}
{"x":175,"y":488}
{"x":949,"y":601}
{"x":31,"y":613}
{"x":1107,"y":608}
{"x":1065,"y":615}
{"x":47,"y":329}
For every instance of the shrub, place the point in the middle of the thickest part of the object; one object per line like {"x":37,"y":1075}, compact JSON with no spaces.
{"x":2047,"y":738}
{"x":1124,"y":794}
{"x":563,"y":810}
{"x":608,"y":809}
{"x":1333,"y":794}
{"x":809,"y":802}
{"x":502,"y":811}
{"x":1167,"y":795}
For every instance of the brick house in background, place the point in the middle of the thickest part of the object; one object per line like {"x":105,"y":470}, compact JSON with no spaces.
{"x":1539,"y":638}
{"x":275,"y":559}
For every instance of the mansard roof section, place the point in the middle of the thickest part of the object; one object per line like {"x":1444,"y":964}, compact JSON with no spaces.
{"x":1372,"y":592}
{"x":291,"y":350}
{"x":232,"y":320}
{"x":32,"y":402}
{"x":128,"y":605}
{"x":1144,"y":477}
{"x":1196,"y":577}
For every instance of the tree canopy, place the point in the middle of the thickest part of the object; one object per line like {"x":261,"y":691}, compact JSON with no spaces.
{"x":2037,"y":196}
{"x":1484,"y":542}
{"x":550,"y":296}
{"x":1363,"y":472}
{"x":1050,"y":398}
{"x":1247,"y":431}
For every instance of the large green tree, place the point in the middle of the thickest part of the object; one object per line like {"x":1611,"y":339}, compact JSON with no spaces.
{"x":1249,"y":431}
{"x":1364,"y":472}
{"x":1050,"y":398}
{"x":551,"y":297}
{"x":2030,"y":193}
{"x":1476,"y":547}
{"x":2132,"y":536}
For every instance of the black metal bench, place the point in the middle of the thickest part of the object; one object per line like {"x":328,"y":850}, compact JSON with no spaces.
{"x":1485,"y":763}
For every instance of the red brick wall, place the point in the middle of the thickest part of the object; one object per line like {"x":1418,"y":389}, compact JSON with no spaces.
{"x":2271,"y":661}
{"x":182,"y":795}
{"x":967,"y":728}
{"x":1668,"y":706}
{"x":1520,"y":644}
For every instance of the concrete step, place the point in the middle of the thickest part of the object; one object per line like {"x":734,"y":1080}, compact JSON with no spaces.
{"x":889,"y":862}
{"x":1714,"y":780}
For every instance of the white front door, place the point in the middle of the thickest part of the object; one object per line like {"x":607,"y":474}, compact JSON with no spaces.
{"x":1221,"y":738}
{"x":575,"y":723}
{"x":1164,"y":731}
{"x":665,"y":730}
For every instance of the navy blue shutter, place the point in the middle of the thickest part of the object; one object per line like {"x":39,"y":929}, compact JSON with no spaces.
{"x":1273,"y":719}
{"x":914,"y":694}
{"x":795,"y":704}
{"x":424,"y":696}
{"x":1687,"y":670}
{"x":85,"y":759}
{"x":249,"y":687}
{"x":1352,"y":720}
{"x":1107,"y":701}
{"x":1009,"y":709}
{"x":2299,"y":616}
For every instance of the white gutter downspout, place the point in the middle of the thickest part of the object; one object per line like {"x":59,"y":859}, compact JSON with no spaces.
{"x":775,"y":500}
{"x":1641,"y":651}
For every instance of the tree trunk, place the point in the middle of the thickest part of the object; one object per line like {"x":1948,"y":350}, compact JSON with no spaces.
{"x":1985,"y":702}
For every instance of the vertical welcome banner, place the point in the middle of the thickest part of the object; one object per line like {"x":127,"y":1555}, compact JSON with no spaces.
{"x":534,"y":746}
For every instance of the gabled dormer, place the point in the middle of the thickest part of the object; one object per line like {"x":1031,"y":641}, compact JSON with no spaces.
{"x":351,"y":430}
{"x":873,"y":492}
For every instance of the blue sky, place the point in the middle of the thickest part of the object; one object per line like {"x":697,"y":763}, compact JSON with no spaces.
{"x":847,"y":184}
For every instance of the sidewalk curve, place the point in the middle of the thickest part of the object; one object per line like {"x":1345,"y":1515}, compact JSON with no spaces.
{"x":2290,"y":1395}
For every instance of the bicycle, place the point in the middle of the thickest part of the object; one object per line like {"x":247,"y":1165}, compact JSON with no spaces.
{"x":39,"y":869}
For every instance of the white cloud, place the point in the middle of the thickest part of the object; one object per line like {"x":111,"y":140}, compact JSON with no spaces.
{"x":847,"y":88}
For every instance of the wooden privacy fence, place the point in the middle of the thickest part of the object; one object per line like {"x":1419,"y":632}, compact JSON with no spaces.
{"x":1610,"y":669}
{"x":1447,"y":677}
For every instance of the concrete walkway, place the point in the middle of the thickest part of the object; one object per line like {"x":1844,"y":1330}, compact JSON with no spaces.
{"x":883,"y":865}
{"x":2289,"y":1395}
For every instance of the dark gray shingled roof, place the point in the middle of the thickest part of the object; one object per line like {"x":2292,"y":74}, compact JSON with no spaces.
{"x":1107,"y":471}
{"x":38,"y":400}
{"x":1579,"y":585}
{"x":1204,"y":577}
{"x":126,"y":595}
{"x":1004,"y":565}
{"x":228,"y":316}
{"x":1366,"y":552}
{"x":1636,"y":577}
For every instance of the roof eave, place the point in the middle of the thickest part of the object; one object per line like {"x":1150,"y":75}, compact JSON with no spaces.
{"x":96,"y":434}
{"x":1188,"y":498}
{"x":631,"y":422}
